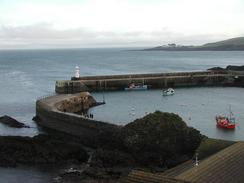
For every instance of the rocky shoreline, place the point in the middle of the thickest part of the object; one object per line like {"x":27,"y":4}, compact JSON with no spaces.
{"x":155,"y":142}
{"x":41,"y":149}
{"x":11,"y":122}
{"x":228,"y":68}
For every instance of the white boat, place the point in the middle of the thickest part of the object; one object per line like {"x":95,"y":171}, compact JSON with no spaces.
{"x":169,"y":91}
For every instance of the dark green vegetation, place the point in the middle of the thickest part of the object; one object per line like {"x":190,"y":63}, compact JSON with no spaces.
{"x":160,"y":139}
{"x":41,"y":149}
{"x":234,"y":44}
{"x":210,"y":146}
{"x":156,"y":140}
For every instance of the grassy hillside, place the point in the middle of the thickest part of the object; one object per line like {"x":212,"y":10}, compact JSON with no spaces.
{"x":234,"y":44}
{"x":211,"y":146}
{"x":239,"y":41}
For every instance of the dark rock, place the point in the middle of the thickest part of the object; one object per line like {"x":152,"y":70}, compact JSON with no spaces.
{"x":111,"y":158}
{"x":11,"y":122}
{"x":36,"y":118}
{"x":228,"y":68}
{"x":160,"y":139}
{"x":216,"y":69}
{"x":94,"y":175}
{"x":40,"y":149}
{"x":235,"y":68}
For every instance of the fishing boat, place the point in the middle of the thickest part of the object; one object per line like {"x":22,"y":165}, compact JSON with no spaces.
{"x":169,"y":91}
{"x":227,"y":122}
{"x":134,"y":86}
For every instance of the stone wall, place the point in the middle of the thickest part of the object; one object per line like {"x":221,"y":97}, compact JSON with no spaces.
{"x":155,"y":81}
{"x":86,"y":129}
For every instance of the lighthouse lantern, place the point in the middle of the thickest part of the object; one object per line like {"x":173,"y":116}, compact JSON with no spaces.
{"x":77,"y":72}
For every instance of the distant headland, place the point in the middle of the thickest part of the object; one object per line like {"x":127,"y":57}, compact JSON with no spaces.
{"x":234,"y":44}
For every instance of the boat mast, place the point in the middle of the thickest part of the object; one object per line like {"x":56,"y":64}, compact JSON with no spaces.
{"x":103,"y":91}
{"x":196,"y":161}
{"x":230,"y":113}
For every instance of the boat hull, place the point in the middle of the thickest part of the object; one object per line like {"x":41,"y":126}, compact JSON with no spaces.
{"x":168,"y":92}
{"x":232,"y":126}
{"x":143,"y":87}
{"x":222,"y":122}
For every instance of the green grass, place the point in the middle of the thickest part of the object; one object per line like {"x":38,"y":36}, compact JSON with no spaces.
{"x":211,"y":146}
{"x":234,"y":41}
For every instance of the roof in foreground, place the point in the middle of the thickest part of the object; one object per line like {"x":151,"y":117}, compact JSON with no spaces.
{"x":137,"y":176}
{"x":223,"y":167}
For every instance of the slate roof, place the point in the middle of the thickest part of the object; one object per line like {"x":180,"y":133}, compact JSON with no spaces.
{"x":223,"y":167}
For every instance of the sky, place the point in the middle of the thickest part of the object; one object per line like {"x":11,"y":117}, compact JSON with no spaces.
{"x":117,"y":23}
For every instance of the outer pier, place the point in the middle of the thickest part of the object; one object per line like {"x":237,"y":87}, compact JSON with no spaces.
{"x":155,"y":81}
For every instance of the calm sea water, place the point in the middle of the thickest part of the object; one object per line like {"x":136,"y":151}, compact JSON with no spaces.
{"x":27,"y":75}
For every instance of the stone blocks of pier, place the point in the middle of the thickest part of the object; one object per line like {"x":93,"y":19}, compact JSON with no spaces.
{"x":154,"y":81}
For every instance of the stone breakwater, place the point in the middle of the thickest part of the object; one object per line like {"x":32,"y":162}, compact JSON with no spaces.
{"x":155,"y":81}
{"x":60,"y":112}
{"x":57,"y":113}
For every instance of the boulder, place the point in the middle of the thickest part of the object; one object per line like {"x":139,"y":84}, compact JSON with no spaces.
{"x":235,"y":68}
{"x":11,"y":122}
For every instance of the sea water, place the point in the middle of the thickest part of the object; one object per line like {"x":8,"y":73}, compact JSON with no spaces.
{"x":26,"y":75}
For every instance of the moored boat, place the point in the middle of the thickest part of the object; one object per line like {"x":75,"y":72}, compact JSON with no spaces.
{"x":169,"y":91}
{"x":133,"y":86}
{"x":226,"y":122}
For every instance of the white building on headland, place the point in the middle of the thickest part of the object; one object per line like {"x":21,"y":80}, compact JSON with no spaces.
{"x":172,"y":45}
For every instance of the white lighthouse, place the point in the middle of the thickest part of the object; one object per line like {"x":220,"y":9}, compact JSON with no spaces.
{"x":77,"y":72}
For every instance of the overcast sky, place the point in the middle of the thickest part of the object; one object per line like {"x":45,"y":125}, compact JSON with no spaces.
{"x":120,"y":23}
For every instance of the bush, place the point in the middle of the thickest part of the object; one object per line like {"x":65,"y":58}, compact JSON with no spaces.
{"x":159,"y":138}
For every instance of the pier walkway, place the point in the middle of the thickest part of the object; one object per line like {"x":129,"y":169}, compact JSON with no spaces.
{"x":155,"y":81}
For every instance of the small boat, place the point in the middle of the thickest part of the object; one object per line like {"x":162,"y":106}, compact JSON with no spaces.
{"x":226,"y":122}
{"x":169,"y":91}
{"x":133,"y":86}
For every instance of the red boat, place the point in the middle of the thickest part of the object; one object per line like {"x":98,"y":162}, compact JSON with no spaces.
{"x":226,"y":122}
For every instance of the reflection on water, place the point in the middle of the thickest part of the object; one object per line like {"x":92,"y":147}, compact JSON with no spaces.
{"x":197,"y":106}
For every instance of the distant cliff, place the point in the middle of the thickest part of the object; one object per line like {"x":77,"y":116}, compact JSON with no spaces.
{"x":228,"y":68}
{"x":234,"y":44}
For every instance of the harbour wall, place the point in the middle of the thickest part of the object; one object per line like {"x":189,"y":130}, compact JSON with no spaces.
{"x":155,"y":81}
{"x":58,"y":112}
{"x":86,"y":129}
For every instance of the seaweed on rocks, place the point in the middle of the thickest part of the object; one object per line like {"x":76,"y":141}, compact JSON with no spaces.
{"x":41,"y":149}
